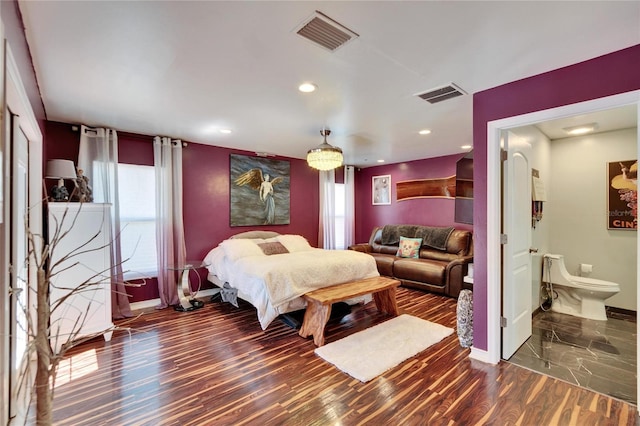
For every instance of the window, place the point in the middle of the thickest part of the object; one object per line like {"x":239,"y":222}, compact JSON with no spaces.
{"x":339,"y":214}
{"x":136,"y":190}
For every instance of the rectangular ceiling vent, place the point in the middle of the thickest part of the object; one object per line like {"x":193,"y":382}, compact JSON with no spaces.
{"x":441,"y":93}
{"x":325,"y":32}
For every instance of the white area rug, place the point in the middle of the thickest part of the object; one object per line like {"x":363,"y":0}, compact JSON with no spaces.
{"x":369,"y":353}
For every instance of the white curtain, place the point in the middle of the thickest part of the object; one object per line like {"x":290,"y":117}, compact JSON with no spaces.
{"x":326,"y":218}
{"x":349,"y":206}
{"x":98,"y":159}
{"x":167,"y":155}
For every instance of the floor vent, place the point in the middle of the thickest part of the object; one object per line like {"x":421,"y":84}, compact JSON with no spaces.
{"x":325,"y":32}
{"x":441,"y":93}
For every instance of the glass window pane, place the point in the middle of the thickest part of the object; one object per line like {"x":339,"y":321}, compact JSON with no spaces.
{"x":136,"y":189}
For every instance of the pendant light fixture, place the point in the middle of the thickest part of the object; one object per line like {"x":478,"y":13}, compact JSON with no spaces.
{"x":325,"y":156}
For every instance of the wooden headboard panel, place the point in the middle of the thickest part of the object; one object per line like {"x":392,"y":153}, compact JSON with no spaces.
{"x":255,"y":234}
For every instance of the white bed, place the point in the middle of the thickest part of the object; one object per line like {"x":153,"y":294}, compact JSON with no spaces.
{"x":272,"y":281}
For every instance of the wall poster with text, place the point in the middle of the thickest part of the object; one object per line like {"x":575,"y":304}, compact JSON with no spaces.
{"x":622,"y":206}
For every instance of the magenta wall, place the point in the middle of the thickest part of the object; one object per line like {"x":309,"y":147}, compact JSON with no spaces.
{"x":422,"y":211}
{"x":611,"y":74}
{"x":206,"y":191}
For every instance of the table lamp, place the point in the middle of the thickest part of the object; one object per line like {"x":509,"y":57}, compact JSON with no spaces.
{"x":61,"y":170}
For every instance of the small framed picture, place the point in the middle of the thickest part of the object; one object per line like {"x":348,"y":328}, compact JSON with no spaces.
{"x":622,"y":200}
{"x":381,"y":190}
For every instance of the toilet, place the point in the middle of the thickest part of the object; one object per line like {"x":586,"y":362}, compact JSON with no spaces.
{"x":580,"y":296}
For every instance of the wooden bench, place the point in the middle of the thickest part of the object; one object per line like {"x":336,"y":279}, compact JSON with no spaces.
{"x":319,"y":302}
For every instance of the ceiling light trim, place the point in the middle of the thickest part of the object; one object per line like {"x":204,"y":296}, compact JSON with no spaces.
{"x":581,"y":129}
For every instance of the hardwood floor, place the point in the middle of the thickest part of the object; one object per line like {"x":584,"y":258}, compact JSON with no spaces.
{"x":215,"y":366}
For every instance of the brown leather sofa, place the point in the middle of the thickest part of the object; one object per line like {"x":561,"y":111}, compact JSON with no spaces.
{"x":439,"y":270}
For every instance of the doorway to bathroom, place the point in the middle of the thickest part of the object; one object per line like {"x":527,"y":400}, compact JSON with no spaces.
{"x":573,"y":221}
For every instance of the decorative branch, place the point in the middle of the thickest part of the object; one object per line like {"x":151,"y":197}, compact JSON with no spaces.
{"x":40,"y":331}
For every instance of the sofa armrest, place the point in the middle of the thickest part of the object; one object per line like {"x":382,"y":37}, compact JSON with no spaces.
{"x":363,"y":247}
{"x":456,"y":271}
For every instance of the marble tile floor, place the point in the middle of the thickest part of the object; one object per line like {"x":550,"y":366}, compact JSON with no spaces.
{"x":597,"y":355}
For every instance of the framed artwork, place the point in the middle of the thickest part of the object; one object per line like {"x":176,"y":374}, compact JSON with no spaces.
{"x":260,"y":190}
{"x":622,"y":200}
{"x":381,"y":190}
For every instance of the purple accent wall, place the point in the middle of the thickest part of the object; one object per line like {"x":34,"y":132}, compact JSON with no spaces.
{"x":422,"y":211}
{"x":13,"y":28}
{"x":607,"y":75}
{"x":206,"y":192}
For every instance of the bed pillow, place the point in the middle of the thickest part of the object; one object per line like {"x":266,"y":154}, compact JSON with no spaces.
{"x":273,"y":248}
{"x":214,"y":256}
{"x":237,"y":249}
{"x":409,"y":247}
{"x":294,"y":243}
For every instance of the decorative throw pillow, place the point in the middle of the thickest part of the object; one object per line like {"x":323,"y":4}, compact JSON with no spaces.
{"x":273,"y":248}
{"x":409,"y":247}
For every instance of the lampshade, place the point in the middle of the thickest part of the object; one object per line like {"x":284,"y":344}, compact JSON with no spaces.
{"x":325,"y":156}
{"x":60,"y":169}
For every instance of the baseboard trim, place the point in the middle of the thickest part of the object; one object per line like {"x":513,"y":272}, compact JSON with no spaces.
{"x":481,"y":355}
{"x":633,"y":315}
{"x":152,"y":303}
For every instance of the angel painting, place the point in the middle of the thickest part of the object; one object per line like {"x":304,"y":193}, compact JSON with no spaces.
{"x":264,"y":185}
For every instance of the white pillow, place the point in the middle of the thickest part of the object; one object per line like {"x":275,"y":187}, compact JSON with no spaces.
{"x":213,"y":255}
{"x":237,"y":249}
{"x":294,"y":243}
{"x":212,"y":259}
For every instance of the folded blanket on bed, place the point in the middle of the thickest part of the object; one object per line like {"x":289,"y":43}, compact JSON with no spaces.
{"x":432,"y":236}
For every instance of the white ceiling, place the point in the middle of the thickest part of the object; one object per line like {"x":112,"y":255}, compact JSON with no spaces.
{"x":186,"y":69}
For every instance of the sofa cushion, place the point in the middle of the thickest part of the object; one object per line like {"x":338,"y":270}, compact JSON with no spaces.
{"x":384,"y":262}
{"x":409,"y":247}
{"x":421,"y":270}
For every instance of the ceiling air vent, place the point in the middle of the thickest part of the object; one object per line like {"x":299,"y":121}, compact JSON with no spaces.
{"x":441,"y":93}
{"x":326,"y":32}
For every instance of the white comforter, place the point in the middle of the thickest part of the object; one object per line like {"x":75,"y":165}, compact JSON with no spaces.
{"x":273,"y":283}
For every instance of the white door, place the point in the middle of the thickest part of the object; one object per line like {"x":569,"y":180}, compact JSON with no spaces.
{"x":22,"y":195}
{"x":516,"y":256}
{"x":19,"y":273}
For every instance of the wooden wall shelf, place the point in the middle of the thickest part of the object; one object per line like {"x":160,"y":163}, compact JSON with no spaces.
{"x":426,"y":188}
{"x":464,"y":189}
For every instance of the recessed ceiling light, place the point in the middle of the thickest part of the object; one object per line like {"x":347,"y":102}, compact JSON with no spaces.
{"x":466,"y":147}
{"x":380,"y":161}
{"x":424,"y":131}
{"x":307,"y":87}
{"x":582,"y":129}
{"x":225,"y":131}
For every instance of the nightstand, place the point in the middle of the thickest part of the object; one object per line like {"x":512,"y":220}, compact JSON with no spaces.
{"x":188,"y":302}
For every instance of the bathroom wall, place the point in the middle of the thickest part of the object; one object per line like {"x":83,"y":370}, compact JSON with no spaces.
{"x":576,"y":213}
{"x":540,"y":160}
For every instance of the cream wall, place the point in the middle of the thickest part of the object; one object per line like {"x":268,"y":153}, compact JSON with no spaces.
{"x":577,"y":210}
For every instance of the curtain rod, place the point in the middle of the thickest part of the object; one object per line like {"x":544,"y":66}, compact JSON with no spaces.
{"x":184,"y":144}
